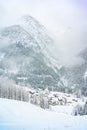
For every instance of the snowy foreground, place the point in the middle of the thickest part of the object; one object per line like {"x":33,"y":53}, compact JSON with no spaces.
{"x":17,"y":115}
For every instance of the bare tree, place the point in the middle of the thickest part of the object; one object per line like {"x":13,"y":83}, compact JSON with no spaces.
{"x":8,"y":89}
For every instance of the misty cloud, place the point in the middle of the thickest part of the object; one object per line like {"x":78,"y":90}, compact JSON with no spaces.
{"x":66,"y":21}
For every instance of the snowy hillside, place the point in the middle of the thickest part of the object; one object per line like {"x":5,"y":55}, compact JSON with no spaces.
{"x":75,"y":74}
{"x":27,"y":54}
{"x":16,"y":115}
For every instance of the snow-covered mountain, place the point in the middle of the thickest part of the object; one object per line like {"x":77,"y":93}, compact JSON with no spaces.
{"x":27,"y":54}
{"x":75,"y":74}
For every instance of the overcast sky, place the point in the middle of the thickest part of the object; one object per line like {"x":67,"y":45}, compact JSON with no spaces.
{"x":66,"y":20}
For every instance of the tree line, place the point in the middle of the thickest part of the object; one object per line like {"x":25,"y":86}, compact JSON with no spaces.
{"x":9,"y":90}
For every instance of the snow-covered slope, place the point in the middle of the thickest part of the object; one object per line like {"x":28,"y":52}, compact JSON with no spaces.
{"x":75,"y":74}
{"x":16,"y":115}
{"x":36,"y":30}
{"x":41,"y":36}
{"x":16,"y":34}
{"x":27,"y":54}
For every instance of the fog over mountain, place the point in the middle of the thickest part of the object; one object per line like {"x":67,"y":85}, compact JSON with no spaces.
{"x":25,"y":54}
{"x":43,"y":63}
{"x":66,"y":21}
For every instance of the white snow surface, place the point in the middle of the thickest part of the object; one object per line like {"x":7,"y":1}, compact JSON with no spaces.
{"x":17,"y":115}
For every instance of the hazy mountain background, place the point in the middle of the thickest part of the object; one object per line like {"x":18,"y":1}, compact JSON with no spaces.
{"x":52,"y":55}
{"x":26,"y":56}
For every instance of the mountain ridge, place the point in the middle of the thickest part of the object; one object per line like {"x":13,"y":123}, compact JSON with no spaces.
{"x":28,"y":54}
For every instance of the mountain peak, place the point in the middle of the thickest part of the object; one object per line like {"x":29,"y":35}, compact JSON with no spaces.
{"x":28,"y":49}
{"x":31,"y":21}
